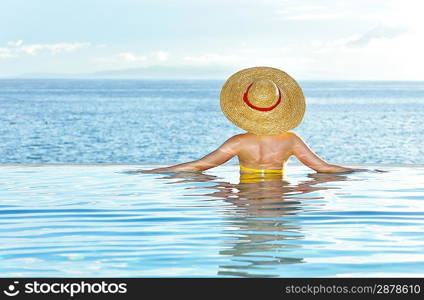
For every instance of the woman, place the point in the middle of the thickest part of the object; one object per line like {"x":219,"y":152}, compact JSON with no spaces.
{"x":266,"y":102}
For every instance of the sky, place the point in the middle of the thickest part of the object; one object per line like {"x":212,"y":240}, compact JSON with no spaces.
{"x":320,"y":40}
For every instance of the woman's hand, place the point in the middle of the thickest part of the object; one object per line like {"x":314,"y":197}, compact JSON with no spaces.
{"x":369,"y":170}
{"x":158,"y":170}
{"x":375,"y":170}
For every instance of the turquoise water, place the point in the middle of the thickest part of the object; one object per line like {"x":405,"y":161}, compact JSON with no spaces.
{"x":159,"y":121}
{"x":99,"y":220}
{"x":103,"y":221}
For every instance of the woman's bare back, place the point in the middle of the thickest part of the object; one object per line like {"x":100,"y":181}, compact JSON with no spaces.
{"x":259,"y":153}
{"x":265,"y":152}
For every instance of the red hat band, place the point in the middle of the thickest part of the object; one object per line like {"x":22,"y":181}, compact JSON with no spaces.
{"x":246,"y":100}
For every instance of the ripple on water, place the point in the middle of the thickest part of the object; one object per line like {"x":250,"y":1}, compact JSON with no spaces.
{"x":103,"y":221}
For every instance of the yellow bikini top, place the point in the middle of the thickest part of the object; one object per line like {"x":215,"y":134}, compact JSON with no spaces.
{"x":249,"y":175}
{"x":246,"y":169}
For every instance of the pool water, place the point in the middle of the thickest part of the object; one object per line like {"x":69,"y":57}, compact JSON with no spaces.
{"x":104,"y":221}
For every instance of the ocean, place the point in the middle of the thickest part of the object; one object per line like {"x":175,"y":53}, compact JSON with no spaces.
{"x":102,"y":221}
{"x":172,"y":121}
{"x":71,"y":205}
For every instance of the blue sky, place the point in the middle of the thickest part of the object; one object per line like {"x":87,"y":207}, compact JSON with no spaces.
{"x":324,"y":39}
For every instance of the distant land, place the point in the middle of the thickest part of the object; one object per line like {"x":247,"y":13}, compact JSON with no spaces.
{"x":152,"y":72}
{"x":176,"y":72}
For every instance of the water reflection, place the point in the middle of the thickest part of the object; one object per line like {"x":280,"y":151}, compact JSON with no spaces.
{"x":260,"y":231}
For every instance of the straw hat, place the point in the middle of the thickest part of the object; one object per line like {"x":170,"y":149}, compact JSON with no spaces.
{"x":263,"y":101}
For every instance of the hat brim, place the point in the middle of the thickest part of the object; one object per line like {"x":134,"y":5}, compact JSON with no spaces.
{"x":287,"y":115}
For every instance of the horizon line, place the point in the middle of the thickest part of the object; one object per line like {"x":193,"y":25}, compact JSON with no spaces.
{"x":190,"y":78}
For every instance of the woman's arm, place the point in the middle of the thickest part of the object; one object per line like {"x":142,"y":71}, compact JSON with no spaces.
{"x":225,"y":152}
{"x":312,"y":160}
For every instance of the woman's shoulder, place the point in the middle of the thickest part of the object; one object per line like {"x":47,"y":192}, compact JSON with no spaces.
{"x":292,"y":134}
{"x":249,"y":136}
{"x":241,"y":136}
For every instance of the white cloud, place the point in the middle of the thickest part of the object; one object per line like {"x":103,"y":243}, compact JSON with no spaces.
{"x":162,"y":55}
{"x":245,"y":56}
{"x":362,"y":40}
{"x":15,"y":44}
{"x":16,"y":48}
{"x":52,"y":48}
{"x":314,"y":16}
{"x":403,"y":13}
{"x":301,"y":8}
{"x":307,"y":12}
{"x":130,"y":59}
{"x":389,"y":49}
{"x":392,"y":57}
{"x":122,"y":58}
{"x":6,"y":53}
{"x":378,"y":32}
{"x":285,"y":58}
{"x":210,"y":58}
